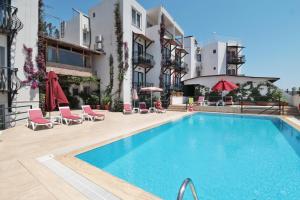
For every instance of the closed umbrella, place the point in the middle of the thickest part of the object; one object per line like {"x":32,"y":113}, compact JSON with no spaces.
{"x":134,"y":96}
{"x":151,"y":90}
{"x":54,"y":92}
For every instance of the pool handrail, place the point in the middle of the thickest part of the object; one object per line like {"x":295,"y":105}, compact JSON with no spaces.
{"x":182,"y":189}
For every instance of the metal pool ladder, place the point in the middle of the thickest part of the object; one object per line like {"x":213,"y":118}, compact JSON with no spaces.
{"x":182,"y":189}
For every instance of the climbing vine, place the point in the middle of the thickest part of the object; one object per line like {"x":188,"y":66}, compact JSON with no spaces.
{"x":40,"y":59}
{"x":108,"y":90}
{"x":30,"y":72}
{"x":162,"y":34}
{"x":119,"y":38}
{"x":122,"y":67}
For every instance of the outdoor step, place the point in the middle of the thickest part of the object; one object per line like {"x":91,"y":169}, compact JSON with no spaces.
{"x":179,"y":108}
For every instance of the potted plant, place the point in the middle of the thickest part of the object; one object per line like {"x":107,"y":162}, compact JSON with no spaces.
{"x":106,"y":101}
{"x":93,"y":100}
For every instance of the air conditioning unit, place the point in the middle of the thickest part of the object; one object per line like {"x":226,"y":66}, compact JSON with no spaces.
{"x":98,"y":47}
{"x":99,"y":39}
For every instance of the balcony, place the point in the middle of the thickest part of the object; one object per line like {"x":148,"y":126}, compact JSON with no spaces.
{"x":143,"y":60}
{"x":237,"y":60}
{"x":181,"y":67}
{"x":139,"y":85}
{"x":9,"y":22}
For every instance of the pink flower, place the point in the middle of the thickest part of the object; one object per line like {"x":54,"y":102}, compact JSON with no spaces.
{"x":34,"y":85}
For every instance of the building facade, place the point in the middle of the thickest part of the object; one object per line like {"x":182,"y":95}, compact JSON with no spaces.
{"x":18,"y":27}
{"x":217,"y":60}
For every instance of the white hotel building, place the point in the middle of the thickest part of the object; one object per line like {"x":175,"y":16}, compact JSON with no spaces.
{"x":141,"y":33}
{"x":216,"y":60}
{"x":156,"y":45}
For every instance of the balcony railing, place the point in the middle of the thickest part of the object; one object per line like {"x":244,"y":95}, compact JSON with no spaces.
{"x":139,"y":85}
{"x":236,"y":59}
{"x":144,"y":60}
{"x":3,"y":79}
{"x":9,"y":21}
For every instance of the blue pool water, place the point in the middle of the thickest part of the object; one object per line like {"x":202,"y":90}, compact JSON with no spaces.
{"x":229,"y":157}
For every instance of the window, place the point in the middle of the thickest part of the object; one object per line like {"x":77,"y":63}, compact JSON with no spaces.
{"x":138,"y":79}
{"x":214,"y":51}
{"x":86,"y":90}
{"x":94,"y":14}
{"x":85,"y":35}
{"x":199,"y":57}
{"x":167,"y":80}
{"x":136,"y":18}
{"x":2,"y":56}
{"x":75,"y":91}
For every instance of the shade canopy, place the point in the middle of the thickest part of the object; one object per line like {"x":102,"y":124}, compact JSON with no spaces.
{"x":224,"y":85}
{"x":151,"y":89}
{"x":54,"y":92}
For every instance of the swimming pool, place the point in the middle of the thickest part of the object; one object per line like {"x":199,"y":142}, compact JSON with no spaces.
{"x":228,"y":157}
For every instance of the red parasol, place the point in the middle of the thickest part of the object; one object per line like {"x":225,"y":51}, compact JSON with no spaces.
{"x":224,"y":85}
{"x":54,"y":93}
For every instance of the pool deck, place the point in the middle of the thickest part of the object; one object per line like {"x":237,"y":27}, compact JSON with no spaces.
{"x":22,"y":176}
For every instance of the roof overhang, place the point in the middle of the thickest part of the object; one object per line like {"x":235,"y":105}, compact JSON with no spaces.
{"x":142,"y":36}
{"x":210,"y":80}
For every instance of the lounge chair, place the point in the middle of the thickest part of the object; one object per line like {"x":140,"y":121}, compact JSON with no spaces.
{"x":159,"y":108}
{"x":127,"y":108}
{"x":67,"y":116}
{"x":229,"y":100}
{"x":201,"y":101}
{"x":35,"y":118}
{"x":87,"y":112}
{"x":191,"y":104}
{"x":143,"y":108}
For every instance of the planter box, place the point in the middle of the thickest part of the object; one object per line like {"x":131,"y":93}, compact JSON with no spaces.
{"x":263,"y":103}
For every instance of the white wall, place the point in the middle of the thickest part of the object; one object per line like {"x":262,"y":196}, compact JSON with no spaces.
{"x":154,"y":49}
{"x":28,"y":14}
{"x":210,"y":59}
{"x":191,"y":58}
{"x":296,"y":101}
{"x":221,"y":51}
{"x":74,"y":29}
{"x":103,"y":24}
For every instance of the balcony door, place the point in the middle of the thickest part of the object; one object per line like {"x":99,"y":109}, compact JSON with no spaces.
{"x":139,"y":49}
{"x":138,"y":79}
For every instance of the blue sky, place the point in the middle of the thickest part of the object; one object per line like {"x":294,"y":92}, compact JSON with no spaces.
{"x":270,"y":29}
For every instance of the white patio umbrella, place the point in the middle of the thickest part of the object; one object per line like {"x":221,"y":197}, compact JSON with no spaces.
{"x":134,"y":96}
{"x":151,"y":90}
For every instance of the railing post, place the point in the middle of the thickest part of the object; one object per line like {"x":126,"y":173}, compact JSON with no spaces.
{"x":241,"y":105}
{"x":2,"y":117}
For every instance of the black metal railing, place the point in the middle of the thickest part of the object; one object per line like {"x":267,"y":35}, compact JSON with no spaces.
{"x":181,"y":66}
{"x":139,"y":85}
{"x":143,"y":59}
{"x":8,"y":119}
{"x":236,"y":59}
{"x":168,"y":60}
{"x":5,"y":75}
{"x":9,"y":22}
